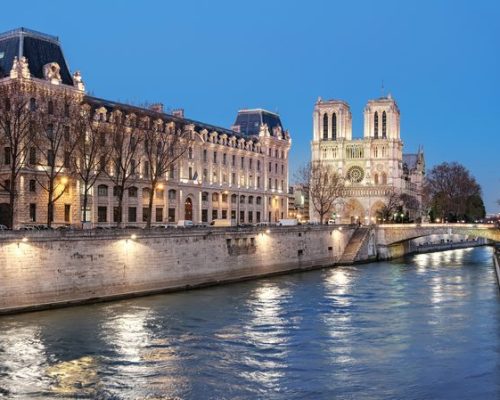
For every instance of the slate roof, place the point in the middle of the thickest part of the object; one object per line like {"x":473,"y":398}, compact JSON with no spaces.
{"x":111,"y":105}
{"x":249,"y":121}
{"x":38,"y":48}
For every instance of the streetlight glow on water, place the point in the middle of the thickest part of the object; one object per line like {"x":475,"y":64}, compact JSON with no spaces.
{"x":423,"y":327}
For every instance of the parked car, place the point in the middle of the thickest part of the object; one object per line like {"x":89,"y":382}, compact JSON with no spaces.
{"x":3,"y":228}
{"x":331,"y":222}
{"x":184,"y":223}
{"x":288,"y":222}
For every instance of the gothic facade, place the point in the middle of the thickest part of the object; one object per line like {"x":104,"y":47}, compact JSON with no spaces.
{"x":239,"y":173}
{"x":374,"y":167}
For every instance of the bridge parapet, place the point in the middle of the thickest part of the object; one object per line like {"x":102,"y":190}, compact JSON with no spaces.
{"x":388,"y":234}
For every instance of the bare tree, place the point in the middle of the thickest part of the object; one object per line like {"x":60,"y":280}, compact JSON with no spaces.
{"x":55,"y":141}
{"x":162,"y":150}
{"x":91,"y":153}
{"x":325,"y":186}
{"x":16,"y":119}
{"x":393,"y":206}
{"x":124,"y":141}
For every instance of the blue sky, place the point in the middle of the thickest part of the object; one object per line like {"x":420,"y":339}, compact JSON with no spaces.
{"x":439,"y":59}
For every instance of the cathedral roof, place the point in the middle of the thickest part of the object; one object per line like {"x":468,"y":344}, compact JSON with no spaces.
{"x":410,"y":160}
{"x":38,"y":48}
{"x":249,"y":121}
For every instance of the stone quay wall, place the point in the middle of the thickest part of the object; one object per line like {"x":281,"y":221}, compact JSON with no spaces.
{"x":496,"y":262}
{"x":54,"y":268}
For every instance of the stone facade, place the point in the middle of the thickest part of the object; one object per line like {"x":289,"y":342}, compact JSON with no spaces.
{"x":374,"y":167}
{"x":224,"y":175}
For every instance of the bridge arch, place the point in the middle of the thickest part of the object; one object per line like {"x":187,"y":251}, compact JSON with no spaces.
{"x":390,"y":234}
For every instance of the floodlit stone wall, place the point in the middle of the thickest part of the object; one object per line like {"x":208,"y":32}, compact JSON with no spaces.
{"x":40,"y":269}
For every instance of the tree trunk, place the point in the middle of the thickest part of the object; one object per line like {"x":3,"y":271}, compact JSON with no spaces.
{"x":85,"y":203}
{"x":150,"y":205}
{"x":12,"y":199}
{"x":120,"y":208}
{"x":50,"y":204}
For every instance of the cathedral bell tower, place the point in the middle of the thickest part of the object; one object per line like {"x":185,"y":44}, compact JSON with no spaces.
{"x":332,"y":120}
{"x":382,"y":119}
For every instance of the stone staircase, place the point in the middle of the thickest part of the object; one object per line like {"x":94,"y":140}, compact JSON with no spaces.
{"x":354,"y":246}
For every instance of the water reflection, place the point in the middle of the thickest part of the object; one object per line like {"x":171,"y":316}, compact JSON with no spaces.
{"x":421,"y":328}
{"x":22,"y":361}
{"x":267,"y":330}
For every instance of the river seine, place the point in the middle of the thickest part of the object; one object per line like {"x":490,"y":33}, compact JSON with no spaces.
{"x":423,"y":327}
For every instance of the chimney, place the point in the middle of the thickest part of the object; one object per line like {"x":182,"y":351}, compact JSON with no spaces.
{"x":179,"y":112}
{"x":156,"y":107}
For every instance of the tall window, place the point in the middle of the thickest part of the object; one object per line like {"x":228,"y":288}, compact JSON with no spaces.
{"x":32,"y":158}
{"x":325,"y":126}
{"x":334,"y":126}
{"x":7,"y":155}
{"x":50,"y":107}
{"x":375,"y":121}
{"x":384,"y":125}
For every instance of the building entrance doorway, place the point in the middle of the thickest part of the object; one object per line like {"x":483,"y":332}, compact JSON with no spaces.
{"x":188,"y":209}
{"x":5,"y":214}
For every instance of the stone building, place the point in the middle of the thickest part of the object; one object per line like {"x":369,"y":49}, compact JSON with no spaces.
{"x":239,"y":173}
{"x":374,"y":167}
{"x":298,"y":202}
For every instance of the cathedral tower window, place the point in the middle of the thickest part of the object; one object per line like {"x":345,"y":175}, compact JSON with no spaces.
{"x":384,"y":178}
{"x":384,"y":125}
{"x":375,"y":179}
{"x":325,"y":126}
{"x":375,"y":122}
{"x":334,"y":126}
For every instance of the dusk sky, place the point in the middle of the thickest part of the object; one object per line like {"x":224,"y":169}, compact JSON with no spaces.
{"x":439,"y":59}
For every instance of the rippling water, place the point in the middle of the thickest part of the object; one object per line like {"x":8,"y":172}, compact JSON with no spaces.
{"x":427,"y":327}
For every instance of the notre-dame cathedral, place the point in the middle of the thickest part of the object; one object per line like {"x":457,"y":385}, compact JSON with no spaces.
{"x":374,"y":167}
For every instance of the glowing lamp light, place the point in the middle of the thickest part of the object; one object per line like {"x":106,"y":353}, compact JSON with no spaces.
{"x":64,"y":180}
{"x":24,"y":239}
{"x":133,"y":236}
{"x":268,"y":231}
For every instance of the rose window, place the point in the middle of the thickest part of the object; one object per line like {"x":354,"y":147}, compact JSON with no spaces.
{"x":355,"y":174}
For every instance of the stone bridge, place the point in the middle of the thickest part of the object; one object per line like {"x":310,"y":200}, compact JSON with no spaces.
{"x":390,"y":234}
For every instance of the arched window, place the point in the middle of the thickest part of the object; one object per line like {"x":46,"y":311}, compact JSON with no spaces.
{"x":215,"y":196}
{"x":102,"y":190}
{"x":172,"y":194}
{"x":145,"y":193}
{"x":384,"y":178}
{"x":375,"y":179}
{"x":242,"y":199}
{"x":250,"y":199}
{"x":375,"y":122}
{"x":233,"y":198}
{"x":258,"y":200}
{"x":384,"y":125}
{"x":7,"y":104}
{"x":50,"y":107}
{"x":132,"y":191}
{"x":32,"y":104}
{"x":204,"y":196}
{"x":334,"y":126}
{"x":190,"y":153}
{"x":325,"y":126}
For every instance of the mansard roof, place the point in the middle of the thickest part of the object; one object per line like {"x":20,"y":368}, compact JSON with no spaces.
{"x":199,"y":126}
{"x":249,"y":121}
{"x":38,"y":48}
